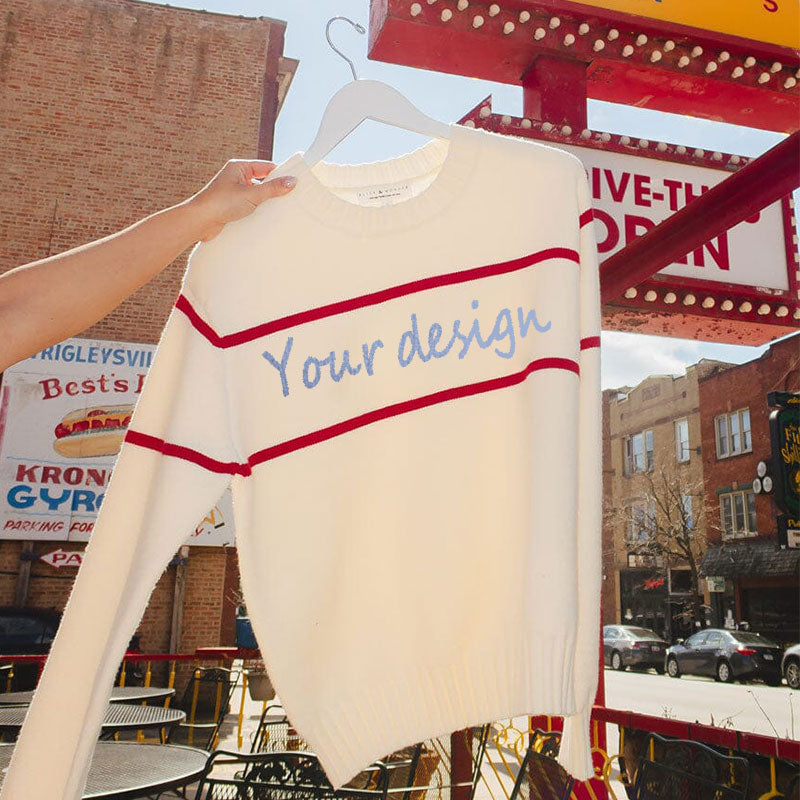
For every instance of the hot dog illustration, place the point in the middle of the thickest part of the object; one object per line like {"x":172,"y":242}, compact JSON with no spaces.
{"x":92,"y":432}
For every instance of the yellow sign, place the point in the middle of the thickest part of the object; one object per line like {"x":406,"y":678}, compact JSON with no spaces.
{"x":772,"y":21}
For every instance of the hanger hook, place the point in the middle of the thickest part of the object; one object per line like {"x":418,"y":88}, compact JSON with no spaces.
{"x":359,"y":28}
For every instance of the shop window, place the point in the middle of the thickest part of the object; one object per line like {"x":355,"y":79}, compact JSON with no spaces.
{"x":733,"y":433}
{"x":680,"y":581}
{"x":738,"y":514}
{"x":638,"y":452}
{"x":682,"y":440}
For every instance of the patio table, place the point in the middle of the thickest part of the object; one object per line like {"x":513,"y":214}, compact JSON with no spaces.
{"x":128,"y":770}
{"x":119,"y":694}
{"x":119,"y":717}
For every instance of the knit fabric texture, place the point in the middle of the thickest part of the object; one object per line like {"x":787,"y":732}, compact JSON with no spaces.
{"x":397,"y":367}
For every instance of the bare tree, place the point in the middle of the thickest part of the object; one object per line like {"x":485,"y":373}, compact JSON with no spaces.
{"x":664,"y":526}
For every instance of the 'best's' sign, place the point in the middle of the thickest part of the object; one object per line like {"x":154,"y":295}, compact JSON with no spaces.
{"x":63,"y":416}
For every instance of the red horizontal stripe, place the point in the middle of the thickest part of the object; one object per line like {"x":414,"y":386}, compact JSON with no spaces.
{"x":332,"y":431}
{"x":585,"y":218}
{"x":590,"y":341}
{"x":407,"y":406}
{"x":185,"y":453}
{"x":365,"y":300}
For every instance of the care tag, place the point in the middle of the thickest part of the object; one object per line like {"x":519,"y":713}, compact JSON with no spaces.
{"x":384,"y":195}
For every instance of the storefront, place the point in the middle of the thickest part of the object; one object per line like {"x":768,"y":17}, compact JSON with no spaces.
{"x":643,"y":598}
{"x":661,"y":603}
{"x":761,"y":588}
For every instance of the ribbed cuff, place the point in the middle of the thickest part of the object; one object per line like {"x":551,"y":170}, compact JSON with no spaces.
{"x":391,"y":712}
{"x":575,"y":753}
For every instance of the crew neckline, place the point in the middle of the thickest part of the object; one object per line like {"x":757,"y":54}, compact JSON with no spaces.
{"x":454,"y":159}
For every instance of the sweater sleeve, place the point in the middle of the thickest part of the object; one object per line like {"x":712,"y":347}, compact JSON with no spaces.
{"x":174,"y":464}
{"x":575,"y":753}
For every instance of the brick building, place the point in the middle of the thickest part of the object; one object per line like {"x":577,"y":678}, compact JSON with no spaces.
{"x":761,"y":584}
{"x":111,"y":110}
{"x":652,"y":435}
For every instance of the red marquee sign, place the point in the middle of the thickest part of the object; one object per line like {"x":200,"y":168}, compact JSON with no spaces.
{"x":741,"y":287}
{"x":558,"y":48}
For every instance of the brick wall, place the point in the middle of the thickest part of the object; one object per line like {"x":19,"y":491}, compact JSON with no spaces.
{"x":50,"y":587}
{"x":230,"y":590}
{"x":745,"y":386}
{"x":109,"y":111}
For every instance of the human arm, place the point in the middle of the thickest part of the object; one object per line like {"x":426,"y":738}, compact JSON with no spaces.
{"x":175,"y":462}
{"x":48,"y":300}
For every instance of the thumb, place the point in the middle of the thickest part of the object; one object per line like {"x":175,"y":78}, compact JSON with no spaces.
{"x":260,"y":192}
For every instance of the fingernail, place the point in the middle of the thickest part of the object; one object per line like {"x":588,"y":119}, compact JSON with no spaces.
{"x":289,"y":181}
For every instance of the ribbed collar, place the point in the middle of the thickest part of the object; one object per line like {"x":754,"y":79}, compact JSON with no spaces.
{"x":454,"y":158}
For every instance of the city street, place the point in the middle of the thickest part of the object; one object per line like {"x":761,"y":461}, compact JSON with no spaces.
{"x":754,"y":707}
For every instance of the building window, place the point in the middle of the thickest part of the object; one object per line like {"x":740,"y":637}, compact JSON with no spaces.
{"x":738,"y":514}
{"x":639,"y":454}
{"x":733,"y":433}
{"x":682,"y":440}
{"x":687,"y":511}
{"x":641,"y":522}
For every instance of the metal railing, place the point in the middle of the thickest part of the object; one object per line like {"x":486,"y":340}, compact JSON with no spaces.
{"x":209,"y":656}
{"x":774,"y":761}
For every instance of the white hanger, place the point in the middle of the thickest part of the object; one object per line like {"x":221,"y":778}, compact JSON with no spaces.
{"x":362,"y":99}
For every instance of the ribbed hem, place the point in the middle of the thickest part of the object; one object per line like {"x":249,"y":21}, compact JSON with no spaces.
{"x":452,"y":160}
{"x":514,"y":678}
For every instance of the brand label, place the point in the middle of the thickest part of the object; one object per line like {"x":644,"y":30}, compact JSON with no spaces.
{"x":384,"y":195}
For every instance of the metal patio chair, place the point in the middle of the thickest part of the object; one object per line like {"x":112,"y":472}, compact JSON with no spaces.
{"x":414,"y":772}
{"x":288,"y":775}
{"x":541,"y":777}
{"x":275,"y":732}
{"x":205,"y":700}
{"x":423,"y":771}
{"x":675,"y":769}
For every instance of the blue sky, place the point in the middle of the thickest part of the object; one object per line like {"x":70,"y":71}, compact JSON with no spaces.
{"x":627,"y":358}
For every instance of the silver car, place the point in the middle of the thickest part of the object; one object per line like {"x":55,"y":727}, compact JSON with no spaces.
{"x":630,"y":646}
{"x":790,"y":666}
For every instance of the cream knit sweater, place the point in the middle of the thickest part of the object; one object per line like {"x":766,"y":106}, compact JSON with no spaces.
{"x":397,"y":365}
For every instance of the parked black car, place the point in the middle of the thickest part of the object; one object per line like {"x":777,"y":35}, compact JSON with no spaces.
{"x":25,"y":631}
{"x":726,"y":656}
{"x":629,"y":646}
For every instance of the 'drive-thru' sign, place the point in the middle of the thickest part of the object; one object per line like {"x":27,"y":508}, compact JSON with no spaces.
{"x":63,"y":416}
{"x":632,"y":194}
